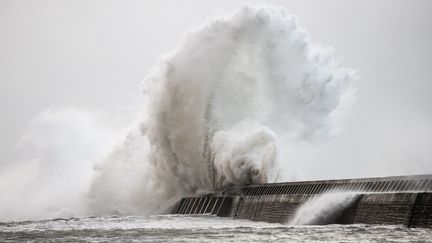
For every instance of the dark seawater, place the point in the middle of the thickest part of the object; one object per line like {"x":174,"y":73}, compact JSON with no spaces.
{"x":180,"y":228}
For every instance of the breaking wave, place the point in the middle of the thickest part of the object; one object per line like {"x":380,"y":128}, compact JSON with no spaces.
{"x":324,"y":209}
{"x":223,"y":109}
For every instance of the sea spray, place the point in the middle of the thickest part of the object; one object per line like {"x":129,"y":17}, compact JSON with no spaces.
{"x":52,"y":175}
{"x":234,"y":94}
{"x":323,"y":209}
{"x":223,"y":109}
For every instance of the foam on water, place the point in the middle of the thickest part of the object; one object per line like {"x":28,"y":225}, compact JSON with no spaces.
{"x":177,"y":228}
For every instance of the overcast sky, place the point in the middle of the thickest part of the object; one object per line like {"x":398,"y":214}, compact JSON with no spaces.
{"x":93,"y":55}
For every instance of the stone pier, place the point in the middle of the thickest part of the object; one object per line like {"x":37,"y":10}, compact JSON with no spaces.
{"x":405,"y":200}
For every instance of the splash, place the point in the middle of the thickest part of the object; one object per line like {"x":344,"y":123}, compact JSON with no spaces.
{"x":235,"y":91}
{"x":324,"y":209}
{"x":223,"y":109}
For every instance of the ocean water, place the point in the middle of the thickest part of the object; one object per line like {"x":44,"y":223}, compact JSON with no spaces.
{"x":202,"y":228}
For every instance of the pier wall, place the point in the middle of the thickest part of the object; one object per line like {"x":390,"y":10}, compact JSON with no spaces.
{"x":405,"y":200}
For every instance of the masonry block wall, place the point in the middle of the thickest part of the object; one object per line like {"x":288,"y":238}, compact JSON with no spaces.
{"x":384,"y":208}
{"x":390,"y":200}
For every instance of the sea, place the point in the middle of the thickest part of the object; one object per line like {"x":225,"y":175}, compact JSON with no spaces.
{"x":199,"y":228}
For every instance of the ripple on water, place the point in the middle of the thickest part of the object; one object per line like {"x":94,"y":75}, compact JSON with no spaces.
{"x":199,"y":229}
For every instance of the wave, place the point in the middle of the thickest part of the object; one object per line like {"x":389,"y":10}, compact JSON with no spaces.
{"x":222,"y":109}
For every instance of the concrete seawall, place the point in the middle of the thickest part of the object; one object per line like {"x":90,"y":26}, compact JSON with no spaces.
{"x":405,"y":200}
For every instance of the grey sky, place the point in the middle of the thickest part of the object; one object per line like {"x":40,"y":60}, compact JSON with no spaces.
{"x":93,"y":54}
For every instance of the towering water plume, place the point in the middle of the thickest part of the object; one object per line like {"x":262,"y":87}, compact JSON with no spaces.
{"x":235,"y":92}
{"x":223,"y":108}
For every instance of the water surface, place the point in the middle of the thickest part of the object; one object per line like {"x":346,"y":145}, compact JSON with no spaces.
{"x":203,"y":228}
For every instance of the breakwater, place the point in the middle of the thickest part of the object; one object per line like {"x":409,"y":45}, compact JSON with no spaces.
{"x":405,"y":200}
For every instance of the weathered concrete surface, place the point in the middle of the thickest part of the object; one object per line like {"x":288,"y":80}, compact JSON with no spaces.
{"x":384,"y":208}
{"x":403,"y":200}
{"x":422,"y":212}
